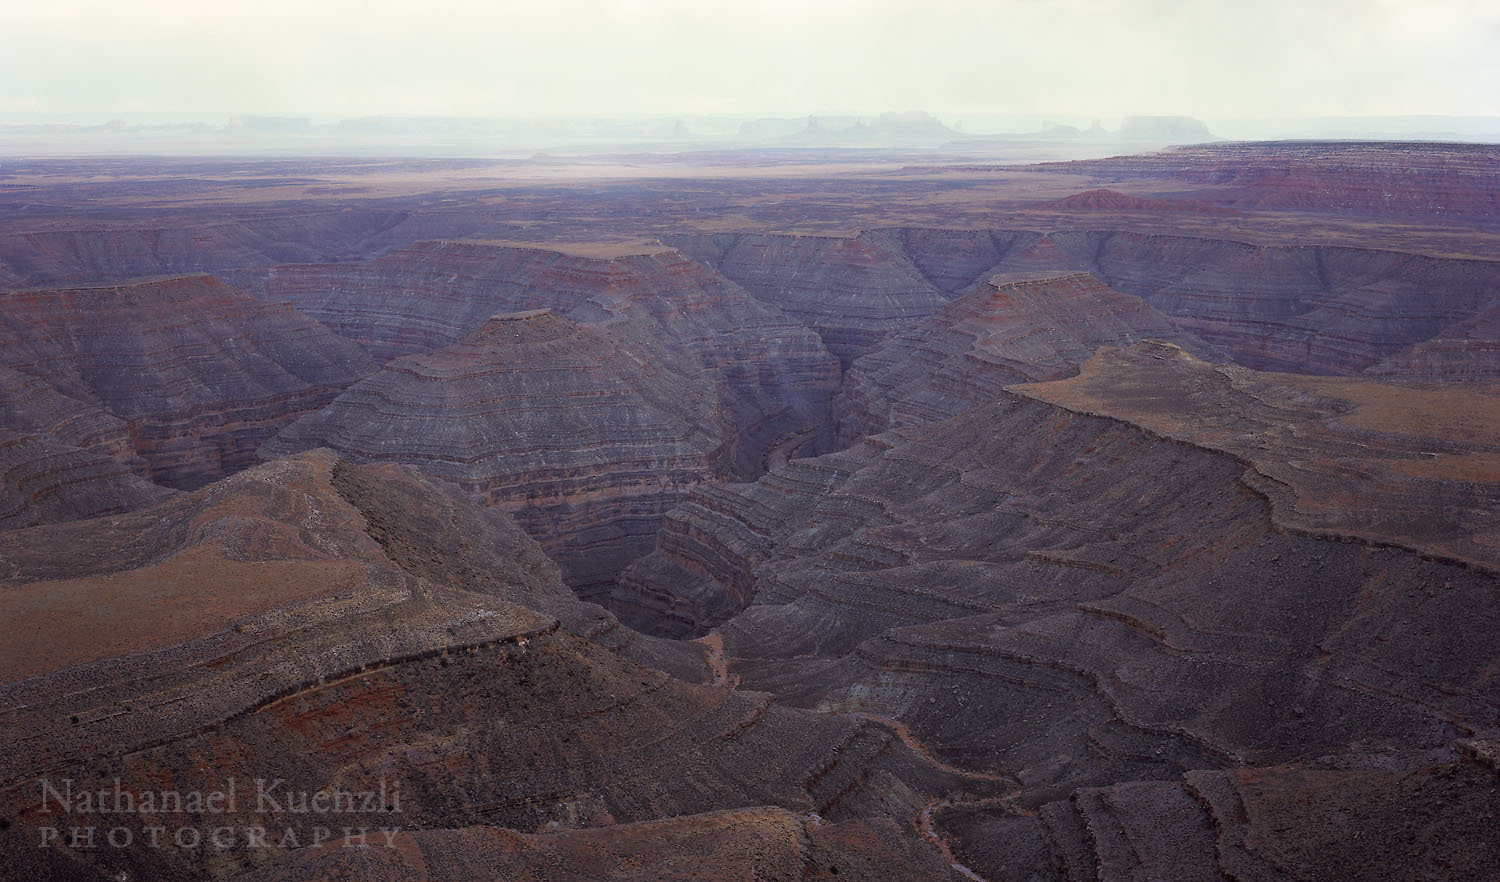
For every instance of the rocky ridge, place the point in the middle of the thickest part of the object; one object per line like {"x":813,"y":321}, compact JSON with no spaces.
{"x":1349,"y":458}
{"x":1327,"y":309}
{"x":849,"y":290}
{"x":1371,"y":178}
{"x":1104,"y":199}
{"x":776,"y":375}
{"x":239,"y":250}
{"x":186,"y":373}
{"x":1015,"y":328}
{"x":585,"y":440}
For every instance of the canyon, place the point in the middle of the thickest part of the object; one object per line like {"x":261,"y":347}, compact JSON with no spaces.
{"x":771,"y":515}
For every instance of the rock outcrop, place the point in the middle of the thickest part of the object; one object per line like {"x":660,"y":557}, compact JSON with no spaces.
{"x":1316,"y":308}
{"x":1312,"y":309}
{"x":853,"y":292}
{"x":776,"y":376}
{"x":43,"y":481}
{"x":187,"y":373}
{"x":1013,"y":329}
{"x":431,"y":294}
{"x":62,"y":459}
{"x":1309,"y":309}
{"x":1339,"y":457}
{"x":585,"y":440}
{"x":1464,"y":352}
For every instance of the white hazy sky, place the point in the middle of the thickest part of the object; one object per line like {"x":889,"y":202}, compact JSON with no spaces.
{"x":1208,"y":58}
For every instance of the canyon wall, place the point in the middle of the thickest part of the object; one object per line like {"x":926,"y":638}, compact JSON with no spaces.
{"x":851,"y":291}
{"x":1120,"y":619}
{"x":586,"y":440}
{"x":776,"y":375}
{"x":240,"y":250}
{"x":195,"y":374}
{"x":1309,"y":308}
{"x":1012,"y":329}
{"x":332,"y":627}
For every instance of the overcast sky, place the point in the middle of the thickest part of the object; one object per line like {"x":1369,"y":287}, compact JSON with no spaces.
{"x":1107,"y":58}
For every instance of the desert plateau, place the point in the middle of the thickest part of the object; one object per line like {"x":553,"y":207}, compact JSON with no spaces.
{"x":421,"y":499}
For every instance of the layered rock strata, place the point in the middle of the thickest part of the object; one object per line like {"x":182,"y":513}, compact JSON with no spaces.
{"x":1340,"y":457}
{"x":1013,"y":329}
{"x":851,"y":291}
{"x":62,"y":459}
{"x":237,"y":249}
{"x":43,"y":481}
{"x":1106,"y":200}
{"x":585,"y":440}
{"x":1361,"y":178}
{"x":1465,"y":352}
{"x":1126,"y":623}
{"x":197,"y":373}
{"x":1309,"y":308}
{"x":776,"y":376}
{"x":333,"y":628}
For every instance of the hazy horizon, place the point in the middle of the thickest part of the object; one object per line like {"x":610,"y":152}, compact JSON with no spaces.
{"x":959,"y":60}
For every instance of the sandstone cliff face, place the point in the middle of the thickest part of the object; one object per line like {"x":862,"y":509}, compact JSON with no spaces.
{"x":187,"y":373}
{"x":1123,"y":621}
{"x":1013,"y":329}
{"x":585,"y":440}
{"x":338,"y":627}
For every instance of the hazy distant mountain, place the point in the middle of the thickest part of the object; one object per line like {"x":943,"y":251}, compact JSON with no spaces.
{"x":1165,"y":129}
{"x":912,"y":128}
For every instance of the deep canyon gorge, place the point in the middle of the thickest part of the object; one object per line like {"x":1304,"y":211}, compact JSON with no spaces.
{"x":758,"y":516}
